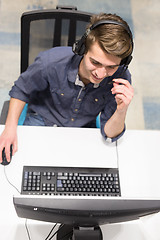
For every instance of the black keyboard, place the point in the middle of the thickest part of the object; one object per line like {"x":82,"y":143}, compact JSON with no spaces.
{"x":70,"y":181}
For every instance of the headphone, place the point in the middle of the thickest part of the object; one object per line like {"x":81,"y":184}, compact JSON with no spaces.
{"x":79,"y":46}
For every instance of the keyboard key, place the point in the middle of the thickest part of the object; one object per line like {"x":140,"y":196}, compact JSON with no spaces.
{"x":59,"y":184}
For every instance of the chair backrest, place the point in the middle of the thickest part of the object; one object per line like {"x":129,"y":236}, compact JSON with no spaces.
{"x":44,"y":29}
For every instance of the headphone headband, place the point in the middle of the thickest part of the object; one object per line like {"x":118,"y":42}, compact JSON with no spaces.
{"x":111,"y":22}
{"x":79,"y":46}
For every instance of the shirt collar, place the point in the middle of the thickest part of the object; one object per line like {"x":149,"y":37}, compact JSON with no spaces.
{"x":80,"y":83}
{"x":73,"y":72}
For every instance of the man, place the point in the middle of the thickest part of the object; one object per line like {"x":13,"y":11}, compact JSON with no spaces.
{"x":67,"y":89}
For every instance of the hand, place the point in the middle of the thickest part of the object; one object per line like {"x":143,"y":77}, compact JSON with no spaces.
{"x":124,"y":93}
{"x":8,"y":137}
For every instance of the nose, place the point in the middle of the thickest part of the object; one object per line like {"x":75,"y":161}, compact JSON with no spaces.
{"x":101,"y":72}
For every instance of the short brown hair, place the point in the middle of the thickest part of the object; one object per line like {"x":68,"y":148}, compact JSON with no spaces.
{"x":112,"y":38}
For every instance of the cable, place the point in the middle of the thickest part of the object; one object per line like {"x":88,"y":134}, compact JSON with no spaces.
{"x":28,"y":233}
{"x":117,"y":154}
{"x":51,"y":231}
{"x":20,"y":193}
{"x":9,"y":181}
{"x":26,"y":226}
{"x":56,"y":232}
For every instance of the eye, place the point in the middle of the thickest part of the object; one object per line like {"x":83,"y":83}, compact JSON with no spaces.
{"x":94,"y":62}
{"x":113,"y":67}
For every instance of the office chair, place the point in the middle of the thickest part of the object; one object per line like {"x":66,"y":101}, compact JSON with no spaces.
{"x":44,"y":29}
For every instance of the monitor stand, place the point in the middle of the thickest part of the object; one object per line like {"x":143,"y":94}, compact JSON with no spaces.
{"x":70,"y":232}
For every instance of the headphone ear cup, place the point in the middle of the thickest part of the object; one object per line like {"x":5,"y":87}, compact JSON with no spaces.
{"x":79,"y":46}
{"x":81,"y":50}
{"x":75,"y":47}
{"x":126,"y":61}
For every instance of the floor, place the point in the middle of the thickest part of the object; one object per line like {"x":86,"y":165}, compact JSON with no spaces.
{"x":144,"y":19}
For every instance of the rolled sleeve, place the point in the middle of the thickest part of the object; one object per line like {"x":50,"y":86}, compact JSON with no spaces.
{"x":16,"y":92}
{"x":110,"y":140}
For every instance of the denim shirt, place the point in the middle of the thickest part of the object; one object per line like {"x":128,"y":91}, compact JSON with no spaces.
{"x":48,"y":86}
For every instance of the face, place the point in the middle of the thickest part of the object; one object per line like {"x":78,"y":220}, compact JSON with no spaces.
{"x":97,"y":65}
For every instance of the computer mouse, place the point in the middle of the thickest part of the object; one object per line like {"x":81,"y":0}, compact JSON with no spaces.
{"x":4,"y":160}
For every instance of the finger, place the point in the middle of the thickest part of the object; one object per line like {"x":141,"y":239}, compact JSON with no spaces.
{"x":1,"y":149}
{"x":125,"y":97}
{"x":118,"y":89}
{"x":120,"y":98}
{"x":15,"y":148}
{"x":121,"y":81}
{"x":1,"y":155}
{"x":7,"y":152}
{"x":122,"y":89}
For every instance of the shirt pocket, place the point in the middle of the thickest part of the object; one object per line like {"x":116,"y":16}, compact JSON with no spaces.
{"x":93,"y":105}
{"x":62,"y":98}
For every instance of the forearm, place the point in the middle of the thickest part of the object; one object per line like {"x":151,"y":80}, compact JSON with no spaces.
{"x":15,"y":108}
{"x":115,"y":125}
{"x":9,"y":135}
{"x":123,"y":92}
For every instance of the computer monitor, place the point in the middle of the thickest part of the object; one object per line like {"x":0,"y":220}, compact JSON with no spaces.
{"x":83,"y":214}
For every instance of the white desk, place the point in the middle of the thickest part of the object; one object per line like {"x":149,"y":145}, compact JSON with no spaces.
{"x":139,"y":155}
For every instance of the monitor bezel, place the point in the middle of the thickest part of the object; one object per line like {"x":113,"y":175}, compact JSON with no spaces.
{"x":84,"y":210}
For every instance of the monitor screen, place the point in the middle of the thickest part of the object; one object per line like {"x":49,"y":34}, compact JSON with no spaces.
{"x":83,"y":211}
